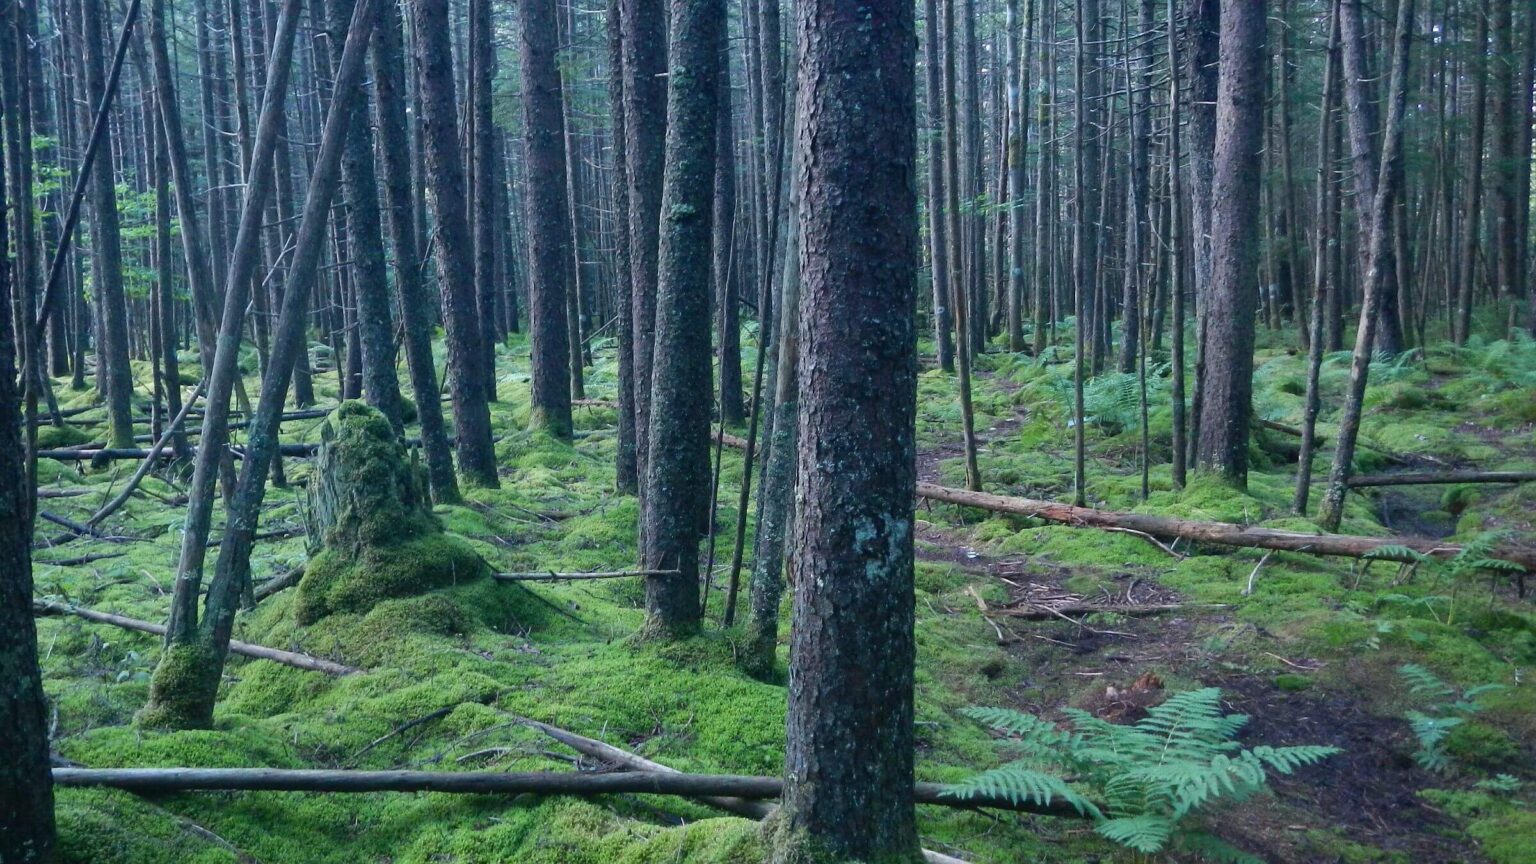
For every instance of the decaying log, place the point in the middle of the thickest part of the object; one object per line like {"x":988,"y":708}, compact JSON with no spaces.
{"x":1219,"y":533}
{"x":245,"y":649}
{"x":1430,"y":478}
{"x":279,"y":583}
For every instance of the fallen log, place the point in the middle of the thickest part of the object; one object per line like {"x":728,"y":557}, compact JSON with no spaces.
{"x":730,"y":440}
{"x":552,"y":576}
{"x":1431,"y":478}
{"x":1221,"y":533}
{"x":1030,"y":612}
{"x":581,"y":784}
{"x":78,"y":560}
{"x":244,"y":649}
{"x":108,"y":454}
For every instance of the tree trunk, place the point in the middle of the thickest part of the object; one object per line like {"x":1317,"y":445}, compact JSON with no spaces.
{"x":549,"y":227}
{"x":728,"y":325}
{"x":455,"y":270}
{"x":849,"y":753}
{"x":365,"y":240}
{"x":411,"y":296}
{"x":26,"y":793}
{"x":677,"y":469}
{"x":644,"y":45}
{"x":1377,"y":279}
{"x":1227,"y":385}
{"x":186,"y":681}
{"x":938,"y":209}
{"x":106,"y":243}
{"x":626,"y":477}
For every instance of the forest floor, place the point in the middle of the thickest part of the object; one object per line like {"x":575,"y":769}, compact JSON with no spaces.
{"x":1311,"y":655}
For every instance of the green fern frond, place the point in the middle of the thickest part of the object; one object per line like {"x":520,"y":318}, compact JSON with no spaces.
{"x":1394,"y":552}
{"x":1422,"y":682}
{"x":1288,"y":759}
{"x":1020,"y":784}
{"x":1146,"y":834}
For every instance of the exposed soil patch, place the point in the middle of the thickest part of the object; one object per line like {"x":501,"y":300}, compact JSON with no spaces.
{"x":1369,"y":791}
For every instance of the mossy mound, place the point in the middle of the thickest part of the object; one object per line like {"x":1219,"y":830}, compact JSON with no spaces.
{"x":355,"y":580}
{"x":371,"y":530}
{"x":61,"y":436}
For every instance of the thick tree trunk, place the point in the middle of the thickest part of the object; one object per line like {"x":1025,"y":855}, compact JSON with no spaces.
{"x":375,"y":330}
{"x":1360,"y":98}
{"x":26,"y":795}
{"x":455,"y":270}
{"x":1227,"y":384}
{"x":677,"y":468}
{"x":849,"y":756}
{"x":412,"y":301}
{"x":644,"y":46}
{"x":549,"y":227}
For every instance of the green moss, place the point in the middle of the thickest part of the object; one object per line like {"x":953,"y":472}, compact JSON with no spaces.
{"x":1480,"y":745}
{"x":1507,"y":839}
{"x":49,"y":436}
{"x":1293,"y":683}
{"x":105,"y":826}
{"x":338,"y":581}
{"x":181,"y":692}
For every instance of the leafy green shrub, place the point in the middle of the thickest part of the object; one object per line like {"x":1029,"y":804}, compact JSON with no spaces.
{"x":1141,"y":783}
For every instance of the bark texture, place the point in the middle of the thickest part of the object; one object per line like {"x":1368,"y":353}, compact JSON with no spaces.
{"x":677,"y":470}
{"x":1227,"y":381}
{"x":849,"y":753}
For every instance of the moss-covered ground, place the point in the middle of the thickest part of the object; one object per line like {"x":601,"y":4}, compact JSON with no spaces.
{"x":1311,"y":653}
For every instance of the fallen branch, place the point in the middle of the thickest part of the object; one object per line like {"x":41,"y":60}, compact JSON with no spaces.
{"x":245,"y":649}
{"x":593,"y":403}
{"x":552,"y":576}
{"x":78,"y":560}
{"x":122,"y":497}
{"x":1221,"y":533}
{"x":1441,"y":477}
{"x":279,"y":583}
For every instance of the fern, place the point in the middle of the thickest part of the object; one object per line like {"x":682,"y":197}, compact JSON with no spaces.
{"x":1141,"y":783}
{"x":1444,"y":708}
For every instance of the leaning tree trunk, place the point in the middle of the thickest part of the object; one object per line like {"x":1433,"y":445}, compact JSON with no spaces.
{"x":185,"y":683}
{"x":677,"y":468}
{"x":849,"y":750}
{"x":1227,"y":385}
{"x":1377,"y":279}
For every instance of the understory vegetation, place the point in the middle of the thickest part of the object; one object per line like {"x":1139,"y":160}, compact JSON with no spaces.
{"x":1308,"y":648}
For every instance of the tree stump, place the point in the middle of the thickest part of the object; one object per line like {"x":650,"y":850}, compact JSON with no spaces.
{"x":372,"y":534}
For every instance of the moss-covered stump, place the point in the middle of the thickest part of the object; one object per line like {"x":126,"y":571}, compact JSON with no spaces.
{"x":371,"y":531}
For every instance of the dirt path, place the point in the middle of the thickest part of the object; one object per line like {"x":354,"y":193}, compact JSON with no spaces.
{"x":1366,"y":794}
